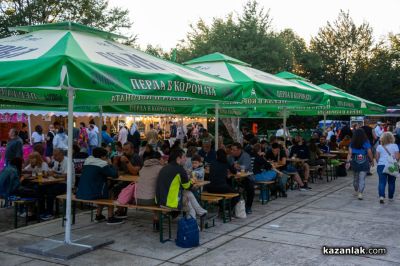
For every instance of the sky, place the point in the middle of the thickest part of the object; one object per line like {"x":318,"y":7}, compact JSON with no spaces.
{"x":164,"y":22}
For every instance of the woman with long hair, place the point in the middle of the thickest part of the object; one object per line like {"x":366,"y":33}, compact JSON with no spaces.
{"x":37,"y":135}
{"x":384,"y":151}
{"x":360,"y":158}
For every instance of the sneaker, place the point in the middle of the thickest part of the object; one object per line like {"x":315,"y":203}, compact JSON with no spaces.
{"x":22,"y":214}
{"x":391,"y":199}
{"x":100,"y":218}
{"x":355,"y":193}
{"x":249,"y":211}
{"x":303,"y":188}
{"x":283,"y":194}
{"x":121,"y":214}
{"x":360,"y":196}
{"x":381,"y":200}
{"x":46,"y":217}
{"x":113,"y":221}
{"x":307,"y":187}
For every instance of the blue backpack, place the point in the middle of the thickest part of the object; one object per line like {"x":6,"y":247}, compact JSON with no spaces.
{"x":188,"y":234}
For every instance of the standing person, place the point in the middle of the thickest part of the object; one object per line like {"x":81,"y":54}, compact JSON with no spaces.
{"x":180,"y":133}
{"x":123,"y":135}
{"x":281,"y":132}
{"x":83,"y":135}
{"x":172,"y":132}
{"x":37,"y":135}
{"x":23,"y":134}
{"x":371,"y":138}
{"x":378,"y":131}
{"x":208,"y":154}
{"x":360,"y":157}
{"x":329,"y":133}
{"x":247,"y":135}
{"x":397,"y":134}
{"x":239,"y":159}
{"x":106,"y":138}
{"x":96,"y":129}
{"x":345,"y":131}
{"x":134,"y":137}
{"x":386,"y":149}
{"x":49,"y":143}
{"x":152,"y":137}
{"x":60,"y":141}
{"x":93,"y":138}
{"x":14,"y":148}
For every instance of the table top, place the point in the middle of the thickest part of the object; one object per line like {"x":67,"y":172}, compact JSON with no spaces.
{"x":47,"y":181}
{"x":296,"y":160}
{"x":201,"y":183}
{"x":240,"y":175}
{"x":340,"y":152}
{"x":126,"y":178}
{"x":327,"y":155}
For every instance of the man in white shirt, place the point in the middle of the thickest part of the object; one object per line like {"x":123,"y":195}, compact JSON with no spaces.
{"x":123,"y":135}
{"x":281,"y":132}
{"x":93,"y":138}
{"x":329,"y":134}
{"x":379,"y":130}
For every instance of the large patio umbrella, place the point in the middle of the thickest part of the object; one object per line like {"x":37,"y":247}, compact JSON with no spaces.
{"x":259,"y":88}
{"x":367,"y":107}
{"x":67,"y":63}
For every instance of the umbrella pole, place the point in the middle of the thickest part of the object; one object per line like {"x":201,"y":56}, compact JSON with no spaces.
{"x":30,"y":129}
{"x":216,"y":126}
{"x":284,"y":126}
{"x":69,"y":167}
{"x":324,"y":127}
{"x":100,"y":125}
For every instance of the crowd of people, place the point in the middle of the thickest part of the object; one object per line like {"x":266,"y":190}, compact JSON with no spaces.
{"x":167,"y":169}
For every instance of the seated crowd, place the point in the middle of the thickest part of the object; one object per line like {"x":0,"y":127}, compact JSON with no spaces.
{"x":166,"y":173}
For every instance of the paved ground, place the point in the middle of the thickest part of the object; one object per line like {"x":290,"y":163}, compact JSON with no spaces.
{"x":284,"y":232}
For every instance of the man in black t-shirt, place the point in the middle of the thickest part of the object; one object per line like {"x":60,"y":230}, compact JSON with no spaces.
{"x":277,"y":154}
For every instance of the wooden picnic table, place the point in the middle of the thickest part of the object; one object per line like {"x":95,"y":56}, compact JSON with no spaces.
{"x":126,"y":178}
{"x":327,"y":155}
{"x":47,"y":180}
{"x":200,"y":183}
{"x":240,"y":175}
{"x":340,"y":152}
{"x":296,"y":160}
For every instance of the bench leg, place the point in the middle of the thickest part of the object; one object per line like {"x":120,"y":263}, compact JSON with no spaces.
{"x":73,"y":212}
{"x":223,"y":211}
{"x":15,"y":215}
{"x":161,"y":224}
{"x":64,"y":210}
{"x":91,"y":212}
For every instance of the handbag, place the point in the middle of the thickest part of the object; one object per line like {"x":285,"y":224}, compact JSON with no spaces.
{"x":391,"y":166}
{"x":127,"y":195}
{"x":265,"y":176}
{"x":187,"y":235}
{"x":240,"y":210}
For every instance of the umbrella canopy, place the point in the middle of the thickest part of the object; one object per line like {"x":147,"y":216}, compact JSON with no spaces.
{"x":334,"y":103}
{"x":259,"y":88}
{"x":367,"y":107}
{"x":37,"y":67}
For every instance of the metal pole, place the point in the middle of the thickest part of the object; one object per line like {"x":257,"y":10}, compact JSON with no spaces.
{"x":69,"y":167}
{"x":216,"y":126}
{"x":100,"y":125}
{"x":324,"y":127}
{"x":284,"y":126}
{"x":30,"y":129}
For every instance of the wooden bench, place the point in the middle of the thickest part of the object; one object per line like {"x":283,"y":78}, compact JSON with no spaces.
{"x":162,"y":211}
{"x":209,"y":201}
{"x":315,"y":172}
{"x":264,"y":188}
{"x":224,"y":198}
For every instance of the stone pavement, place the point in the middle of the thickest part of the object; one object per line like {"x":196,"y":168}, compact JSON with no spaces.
{"x":288,"y":231}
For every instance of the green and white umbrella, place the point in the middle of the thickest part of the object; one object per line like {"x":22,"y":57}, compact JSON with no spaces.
{"x":259,"y":88}
{"x":334,"y":103}
{"x":367,"y":107}
{"x":35,"y":67}
{"x":67,"y":64}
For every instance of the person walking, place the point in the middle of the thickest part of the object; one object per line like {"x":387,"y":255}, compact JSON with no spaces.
{"x":60,"y":141}
{"x":49,"y":143}
{"x":360,"y":158}
{"x":384,"y":151}
{"x":93,"y":138}
{"x":14,"y":148}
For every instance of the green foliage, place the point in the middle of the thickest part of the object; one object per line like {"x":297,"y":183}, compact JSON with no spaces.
{"x":343,"y":47}
{"x":95,"y":13}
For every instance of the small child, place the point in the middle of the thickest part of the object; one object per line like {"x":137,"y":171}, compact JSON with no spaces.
{"x":197,"y":167}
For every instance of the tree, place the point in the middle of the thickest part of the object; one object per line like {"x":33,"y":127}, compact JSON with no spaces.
{"x":94,"y":13}
{"x":343,"y":48}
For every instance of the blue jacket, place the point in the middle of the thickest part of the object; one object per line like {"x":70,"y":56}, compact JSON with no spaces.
{"x":106,"y":138}
{"x":93,"y":182}
{"x":9,"y":181}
